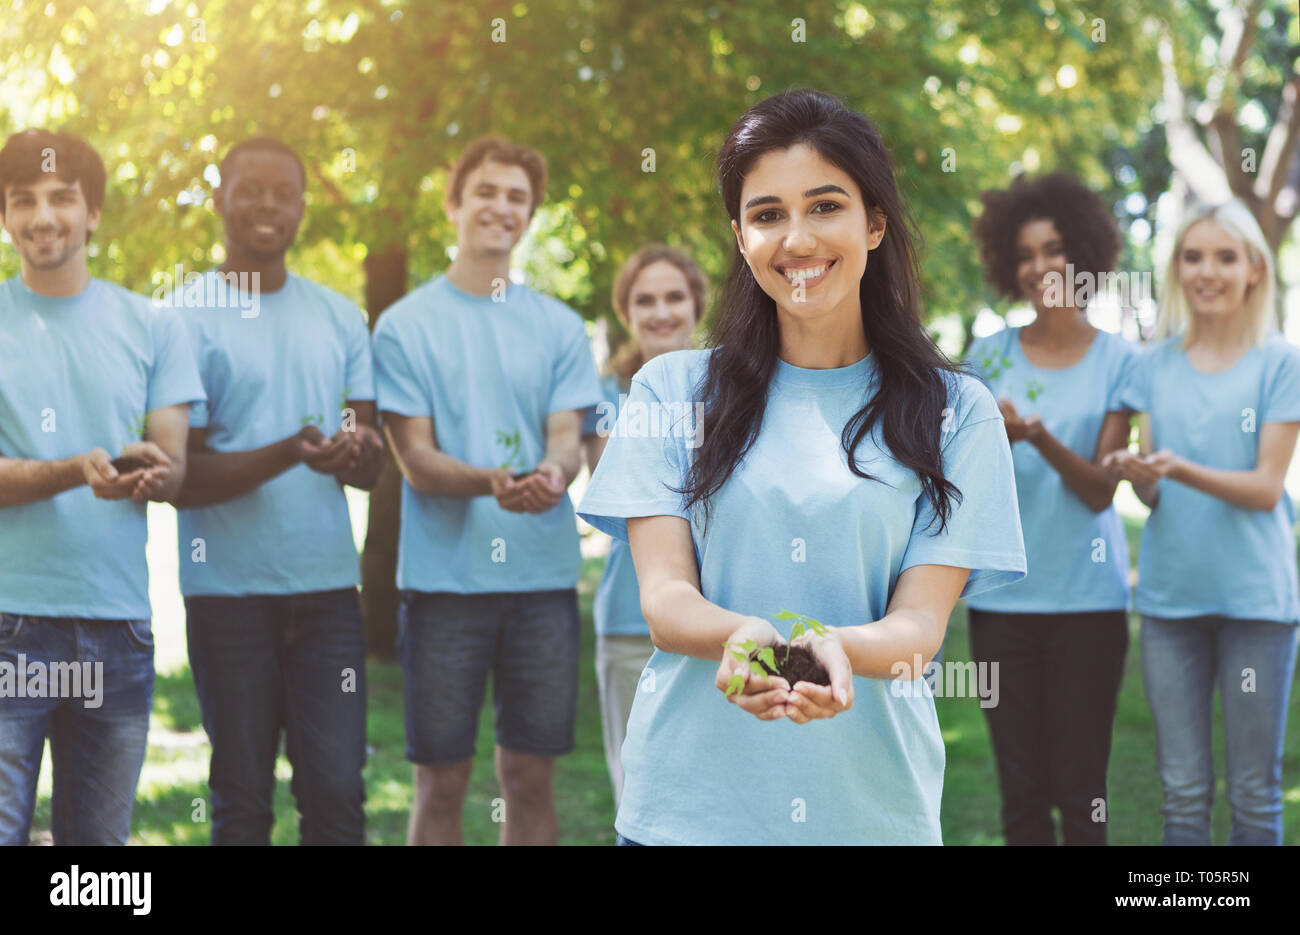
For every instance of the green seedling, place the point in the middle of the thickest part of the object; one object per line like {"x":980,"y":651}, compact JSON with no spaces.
{"x":802,"y":625}
{"x":766,"y":656}
{"x":318,"y":419}
{"x":134,"y":431}
{"x":994,"y":363}
{"x":511,"y":442}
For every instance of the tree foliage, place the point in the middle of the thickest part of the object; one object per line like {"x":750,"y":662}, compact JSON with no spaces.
{"x":379,"y":97}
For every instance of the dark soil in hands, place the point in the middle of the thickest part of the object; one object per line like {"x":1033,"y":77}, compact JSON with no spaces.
{"x":128,"y":464}
{"x":802,"y":666}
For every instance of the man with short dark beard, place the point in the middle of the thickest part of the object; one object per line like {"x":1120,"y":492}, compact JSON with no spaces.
{"x":88,"y":371}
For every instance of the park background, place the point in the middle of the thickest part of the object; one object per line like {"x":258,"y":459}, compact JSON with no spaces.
{"x":1152,"y":105}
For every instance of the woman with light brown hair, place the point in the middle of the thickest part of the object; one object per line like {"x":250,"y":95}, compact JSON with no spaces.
{"x":659,"y":297}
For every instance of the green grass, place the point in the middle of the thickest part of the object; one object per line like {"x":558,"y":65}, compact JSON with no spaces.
{"x":175,"y":772}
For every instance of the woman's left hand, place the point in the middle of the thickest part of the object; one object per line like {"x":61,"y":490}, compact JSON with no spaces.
{"x":808,"y":701}
{"x":1164,"y":462}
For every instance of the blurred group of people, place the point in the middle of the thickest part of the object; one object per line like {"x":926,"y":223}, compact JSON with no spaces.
{"x":842,"y":469}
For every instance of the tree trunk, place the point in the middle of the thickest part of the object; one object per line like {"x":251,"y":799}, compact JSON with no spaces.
{"x":385,"y":284}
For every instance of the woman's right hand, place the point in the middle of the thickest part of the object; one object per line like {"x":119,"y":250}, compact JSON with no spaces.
{"x":1123,"y":464}
{"x":105,"y":481}
{"x":1018,"y":429}
{"x":321,"y":454}
{"x":765,"y":697}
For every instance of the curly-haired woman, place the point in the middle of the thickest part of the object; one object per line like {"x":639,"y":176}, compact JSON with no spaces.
{"x":1059,"y":636}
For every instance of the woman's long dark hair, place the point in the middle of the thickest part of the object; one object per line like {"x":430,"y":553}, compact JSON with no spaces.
{"x":912,"y":393}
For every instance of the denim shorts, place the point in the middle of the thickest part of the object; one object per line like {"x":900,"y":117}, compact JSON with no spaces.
{"x":448,"y":643}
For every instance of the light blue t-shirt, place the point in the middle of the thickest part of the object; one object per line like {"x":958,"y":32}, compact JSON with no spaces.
{"x":1202,"y":555}
{"x":1078,"y":559}
{"x":793,"y":529}
{"x":617,"y":604}
{"x":488,"y":373}
{"x":297,"y":362}
{"x":79,"y":373}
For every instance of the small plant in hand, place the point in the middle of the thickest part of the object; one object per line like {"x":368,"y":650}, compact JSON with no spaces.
{"x":796,"y":664}
{"x":125,"y":464}
{"x":134,"y":432}
{"x":512,"y":444}
{"x":318,"y":419}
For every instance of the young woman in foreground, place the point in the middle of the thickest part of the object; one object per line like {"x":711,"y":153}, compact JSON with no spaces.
{"x":1217,"y":590}
{"x":846,"y":471}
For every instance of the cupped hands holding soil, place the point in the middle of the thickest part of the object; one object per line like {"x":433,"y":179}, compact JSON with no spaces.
{"x":799,"y":666}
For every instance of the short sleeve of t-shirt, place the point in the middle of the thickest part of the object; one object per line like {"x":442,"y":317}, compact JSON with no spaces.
{"x":1281,"y":396}
{"x":361,"y":382}
{"x":1135,"y":392}
{"x":397,"y":388}
{"x":174,"y":375}
{"x":590,"y":419}
{"x":975,"y":359}
{"x":576,"y":385}
{"x":986,"y":357}
{"x":592,"y":416}
{"x":638,"y":470}
{"x":200,"y":410}
{"x":983,"y":530}
{"x":1120,"y":373}
{"x":199,"y":415}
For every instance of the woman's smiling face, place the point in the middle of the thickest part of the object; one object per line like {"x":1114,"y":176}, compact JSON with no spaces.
{"x":803,"y":231}
{"x":1040,"y":253}
{"x":1215,"y":270}
{"x":661,"y":310}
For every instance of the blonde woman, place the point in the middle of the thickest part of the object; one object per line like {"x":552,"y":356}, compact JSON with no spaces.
{"x":1219,"y":390}
{"x":659,"y":297}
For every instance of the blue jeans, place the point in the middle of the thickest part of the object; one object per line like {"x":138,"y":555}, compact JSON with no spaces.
{"x":98,"y":731}
{"x":295,"y":662}
{"x":1252,"y":661}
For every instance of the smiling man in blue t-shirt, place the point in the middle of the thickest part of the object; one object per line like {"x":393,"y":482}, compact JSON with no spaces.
{"x":268,"y":566}
{"x":88,"y":371}
{"x":480,"y":382}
